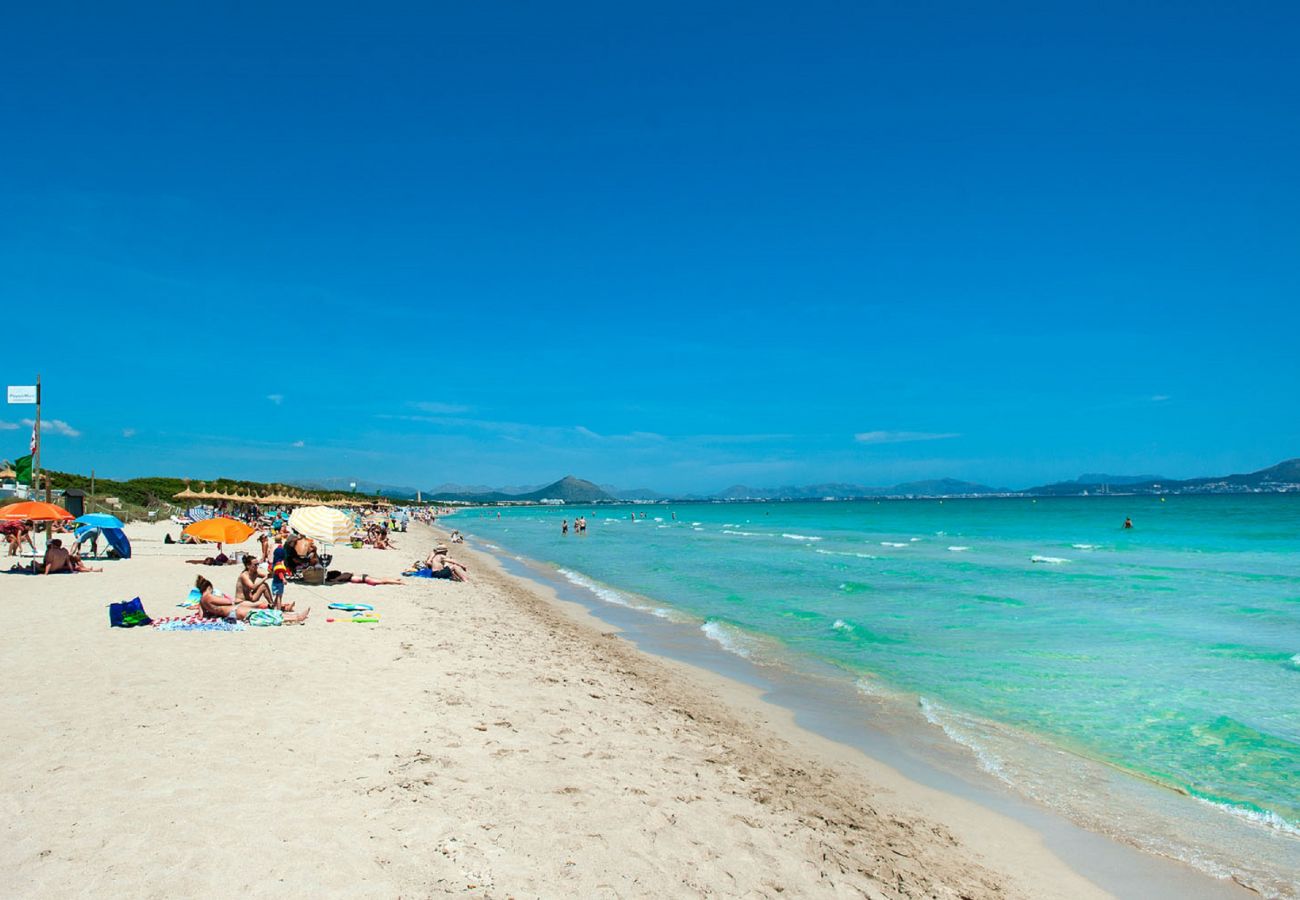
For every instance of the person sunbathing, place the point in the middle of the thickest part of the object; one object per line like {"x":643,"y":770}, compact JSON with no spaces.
{"x":219,"y":606}
{"x":74,"y":559}
{"x":335,"y":577}
{"x":219,"y":560}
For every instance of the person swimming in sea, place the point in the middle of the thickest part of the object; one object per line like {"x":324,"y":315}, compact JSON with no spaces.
{"x":1128,"y":523}
{"x":564,"y":528}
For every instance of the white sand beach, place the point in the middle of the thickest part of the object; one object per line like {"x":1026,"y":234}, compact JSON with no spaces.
{"x":481,"y":739}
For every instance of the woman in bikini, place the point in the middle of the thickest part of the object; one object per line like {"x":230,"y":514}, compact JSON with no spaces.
{"x":254,"y":590}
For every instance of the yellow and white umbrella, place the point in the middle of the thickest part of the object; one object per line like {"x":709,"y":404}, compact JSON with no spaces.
{"x":321,"y":523}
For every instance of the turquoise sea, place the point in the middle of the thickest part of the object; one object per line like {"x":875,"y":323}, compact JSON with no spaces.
{"x":1144,"y":682}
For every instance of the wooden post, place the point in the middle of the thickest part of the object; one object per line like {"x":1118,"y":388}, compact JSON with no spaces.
{"x":36,"y":437}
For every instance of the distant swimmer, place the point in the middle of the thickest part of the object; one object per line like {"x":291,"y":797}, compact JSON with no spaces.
{"x":564,"y":528}
{"x":1128,"y":523}
{"x":674,"y":517}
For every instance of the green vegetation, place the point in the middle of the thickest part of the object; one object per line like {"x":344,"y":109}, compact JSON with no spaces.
{"x":153,"y":493}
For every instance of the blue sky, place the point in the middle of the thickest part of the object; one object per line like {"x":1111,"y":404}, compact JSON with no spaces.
{"x":669,"y":245}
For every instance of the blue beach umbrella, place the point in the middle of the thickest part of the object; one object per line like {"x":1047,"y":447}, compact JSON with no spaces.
{"x":116,"y":538}
{"x":100,"y":520}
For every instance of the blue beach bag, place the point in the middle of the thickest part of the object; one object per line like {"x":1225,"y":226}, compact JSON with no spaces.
{"x":129,"y":614}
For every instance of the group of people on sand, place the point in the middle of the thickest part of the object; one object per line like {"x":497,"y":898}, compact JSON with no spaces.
{"x":261,"y":584}
{"x":252,"y":592}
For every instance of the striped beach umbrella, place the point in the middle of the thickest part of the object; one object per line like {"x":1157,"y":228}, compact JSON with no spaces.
{"x":321,"y":523}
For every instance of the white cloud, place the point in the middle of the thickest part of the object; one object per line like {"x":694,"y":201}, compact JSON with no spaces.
{"x":441,"y":409}
{"x":8,"y":426}
{"x":55,"y":426}
{"x":277,"y":399}
{"x":901,"y":437}
{"x":1159,"y":398}
{"x":299,"y":444}
{"x":128,"y":432}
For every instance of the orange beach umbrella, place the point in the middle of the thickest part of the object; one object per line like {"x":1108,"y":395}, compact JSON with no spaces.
{"x":221,"y":530}
{"x":36,"y":511}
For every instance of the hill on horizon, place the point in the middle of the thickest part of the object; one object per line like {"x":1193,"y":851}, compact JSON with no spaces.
{"x":570,"y":489}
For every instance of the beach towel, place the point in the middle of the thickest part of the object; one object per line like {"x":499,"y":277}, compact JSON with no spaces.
{"x":196,"y":623}
{"x":352,"y":607}
{"x":129,"y":614}
{"x":265,"y":617}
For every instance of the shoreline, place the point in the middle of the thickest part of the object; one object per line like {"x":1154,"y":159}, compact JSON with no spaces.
{"x":807,"y":720}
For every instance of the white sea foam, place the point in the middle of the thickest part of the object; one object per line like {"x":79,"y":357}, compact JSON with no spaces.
{"x":696,"y":523}
{"x":913,"y":540}
{"x":951,"y":724}
{"x":891,"y":544}
{"x":742,"y":533}
{"x":697,"y":528}
{"x":1266,"y":818}
{"x":1049,"y":560}
{"x":1084,"y":546}
{"x":844,"y":553}
{"x":609,"y":595}
{"x":959,"y":549}
{"x":727,"y":637}
{"x":841,"y":625}
{"x":800,"y":537}
{"x":941,"y":534}
{"x":1295,"y":660}
{"x":659,"y":518}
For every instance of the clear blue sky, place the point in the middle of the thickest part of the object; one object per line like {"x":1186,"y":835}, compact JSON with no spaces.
{"x":668,"y":245}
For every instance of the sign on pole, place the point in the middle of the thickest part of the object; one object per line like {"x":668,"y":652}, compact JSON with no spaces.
{"x":22,"y":393}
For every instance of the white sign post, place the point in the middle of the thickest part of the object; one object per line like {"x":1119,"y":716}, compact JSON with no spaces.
{"x":22,"y":393}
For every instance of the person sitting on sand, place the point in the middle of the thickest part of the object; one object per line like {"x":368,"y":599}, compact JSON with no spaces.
{"x":58,"y":559}
{"x":440,"y":565}
{"x":250,"y":588}
{"x":299,"y":553}
{"x":219,"y":606}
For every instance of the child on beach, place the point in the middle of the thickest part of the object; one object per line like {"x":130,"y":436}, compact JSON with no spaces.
{"x":279,"y":573}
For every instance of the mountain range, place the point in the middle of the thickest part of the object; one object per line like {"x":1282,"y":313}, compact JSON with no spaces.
{"x":570,"y":489}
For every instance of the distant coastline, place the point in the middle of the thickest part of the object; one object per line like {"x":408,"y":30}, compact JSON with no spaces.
{"x":1278,"y":479}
